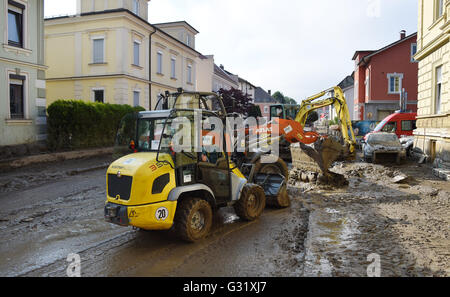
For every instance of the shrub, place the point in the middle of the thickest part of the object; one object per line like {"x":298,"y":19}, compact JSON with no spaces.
{"x":74,"y":124}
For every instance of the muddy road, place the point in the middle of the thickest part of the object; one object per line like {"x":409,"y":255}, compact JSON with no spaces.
{"x":396,"y":217}
{"x":53,"y":210}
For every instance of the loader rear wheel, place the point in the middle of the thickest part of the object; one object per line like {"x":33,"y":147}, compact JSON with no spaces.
{"x":252,"y":202}
{"x":193,"y":219}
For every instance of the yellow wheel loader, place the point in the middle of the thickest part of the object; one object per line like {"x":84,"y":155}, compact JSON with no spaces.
{"x":180,"y":170}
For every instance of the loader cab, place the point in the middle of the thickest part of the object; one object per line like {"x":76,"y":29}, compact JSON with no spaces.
{"x":198,"y":157}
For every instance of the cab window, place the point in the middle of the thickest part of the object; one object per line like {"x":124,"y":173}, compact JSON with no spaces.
{"x":276,"y":112}
{"x":408,"y":125}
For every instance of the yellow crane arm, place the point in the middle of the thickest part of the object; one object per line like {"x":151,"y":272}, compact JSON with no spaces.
{"x":339,"y":104}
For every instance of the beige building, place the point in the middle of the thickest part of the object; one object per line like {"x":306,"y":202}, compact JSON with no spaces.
{"x":22,"y":76}
{"x":432,"y":136}
{"x":109,"y":52}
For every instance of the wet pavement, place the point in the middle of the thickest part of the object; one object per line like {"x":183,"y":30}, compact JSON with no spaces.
{"x":43,"y":220}
{"x":53,"y":210}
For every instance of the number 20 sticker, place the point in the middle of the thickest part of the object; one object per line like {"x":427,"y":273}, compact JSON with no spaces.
{"x":162,"y":214}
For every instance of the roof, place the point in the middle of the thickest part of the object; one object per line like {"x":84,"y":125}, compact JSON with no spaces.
{"x":373,"y":53}
{"x":262,"y":96}
{"x":186,"y":24}
{"x":347,"y":82}
{"x":246,"y":81}
{"x":223,"y":74}
{"x":131,"y":13}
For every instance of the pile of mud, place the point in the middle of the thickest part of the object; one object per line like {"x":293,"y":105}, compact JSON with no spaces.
{"x":341,"y":172}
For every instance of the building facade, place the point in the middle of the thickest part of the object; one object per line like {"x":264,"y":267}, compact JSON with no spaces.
{"x":264,"y":100}
{"x":22,"y":72}
{"x":174,"y":59}
{"x":381,"y":76}
{"x":432,"y":136}
{"x":247,"y":88}
{"x":109,"y":52}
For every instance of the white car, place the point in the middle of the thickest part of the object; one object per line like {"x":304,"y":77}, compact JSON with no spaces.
{"x":381,"y":146}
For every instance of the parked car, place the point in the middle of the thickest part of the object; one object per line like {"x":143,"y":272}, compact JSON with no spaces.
{"x":361,"y":128}
{"x":383,"y":146}
{"x":400,"y":123}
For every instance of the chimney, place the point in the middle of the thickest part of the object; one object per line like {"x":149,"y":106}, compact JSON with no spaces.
{"x":402,"y":34}
{"x":221,"y":67}
{"x":270,"y":92}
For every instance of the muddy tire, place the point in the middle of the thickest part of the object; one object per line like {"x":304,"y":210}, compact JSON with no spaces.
{"x":193,"y":219}
{"x":282,"y":200}
{"x":278,"y":167}
{"x":252,"y":202}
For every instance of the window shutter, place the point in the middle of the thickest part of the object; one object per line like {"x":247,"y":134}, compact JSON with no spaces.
{"x":136,"y":98}
{"x":136,"y":53}
{"x":98,"y":50}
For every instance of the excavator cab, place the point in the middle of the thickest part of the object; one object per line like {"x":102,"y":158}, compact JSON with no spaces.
{"x":284,"y":111}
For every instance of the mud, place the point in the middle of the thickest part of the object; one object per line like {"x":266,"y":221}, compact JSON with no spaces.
{"x":39,"y":174}
{"x":403,"y":220}
{"x":43,"y":220}
{"x":57,"y":209}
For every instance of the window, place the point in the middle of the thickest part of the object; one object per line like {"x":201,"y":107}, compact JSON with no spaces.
{"x":438,"y":94}
{"x":408,"y":125}
{"x":413,"y":51}
{"x":136,"y":46}
{"x":16,"y":97}
{"x":15,"y":24}
{"x":136,"y":101}
{"x":159,"y":62}
{"x":266,"y":109}
{"x":188,"y":40}
{"x":395,"y":83}
{"x":439,"y":8}
{"x":99,"y":96}
{"x":136,"y":7}
{"x":173,"y":68}
{"x":390,"y":127}
{"x":98,"y":51}
{"x":189,"y":74}
{"x":367,"y":83}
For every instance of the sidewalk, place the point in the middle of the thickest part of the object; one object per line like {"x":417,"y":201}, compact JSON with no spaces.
{"x":9,"y":164}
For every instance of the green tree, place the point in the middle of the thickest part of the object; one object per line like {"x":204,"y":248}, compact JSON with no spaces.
{"x":283,"y":99}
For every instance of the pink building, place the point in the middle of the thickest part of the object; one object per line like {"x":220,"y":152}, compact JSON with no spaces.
{"x":380,"y":77}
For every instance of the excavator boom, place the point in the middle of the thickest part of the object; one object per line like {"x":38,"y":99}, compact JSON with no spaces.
{"x":317,"y":152}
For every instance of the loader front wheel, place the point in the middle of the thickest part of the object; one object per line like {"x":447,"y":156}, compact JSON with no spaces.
{"x":252,"y":202}
{"x":193,"y":219}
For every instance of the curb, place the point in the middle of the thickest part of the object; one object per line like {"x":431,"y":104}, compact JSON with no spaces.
{"x":53,"y":157}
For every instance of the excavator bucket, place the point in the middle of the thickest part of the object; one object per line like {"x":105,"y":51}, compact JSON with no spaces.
{"x":314,"y":160}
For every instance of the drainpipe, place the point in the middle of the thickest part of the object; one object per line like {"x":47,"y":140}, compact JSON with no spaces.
{"x":150,"y":69}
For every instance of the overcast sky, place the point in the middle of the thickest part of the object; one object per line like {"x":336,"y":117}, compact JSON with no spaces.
{"x":298,"y":47}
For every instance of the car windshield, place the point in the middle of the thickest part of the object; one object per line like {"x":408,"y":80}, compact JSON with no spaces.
{"x":380,"y":126}
{"x":384,"y":139}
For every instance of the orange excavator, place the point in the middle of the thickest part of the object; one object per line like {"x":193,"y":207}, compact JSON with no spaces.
{"x":310,"y":150}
